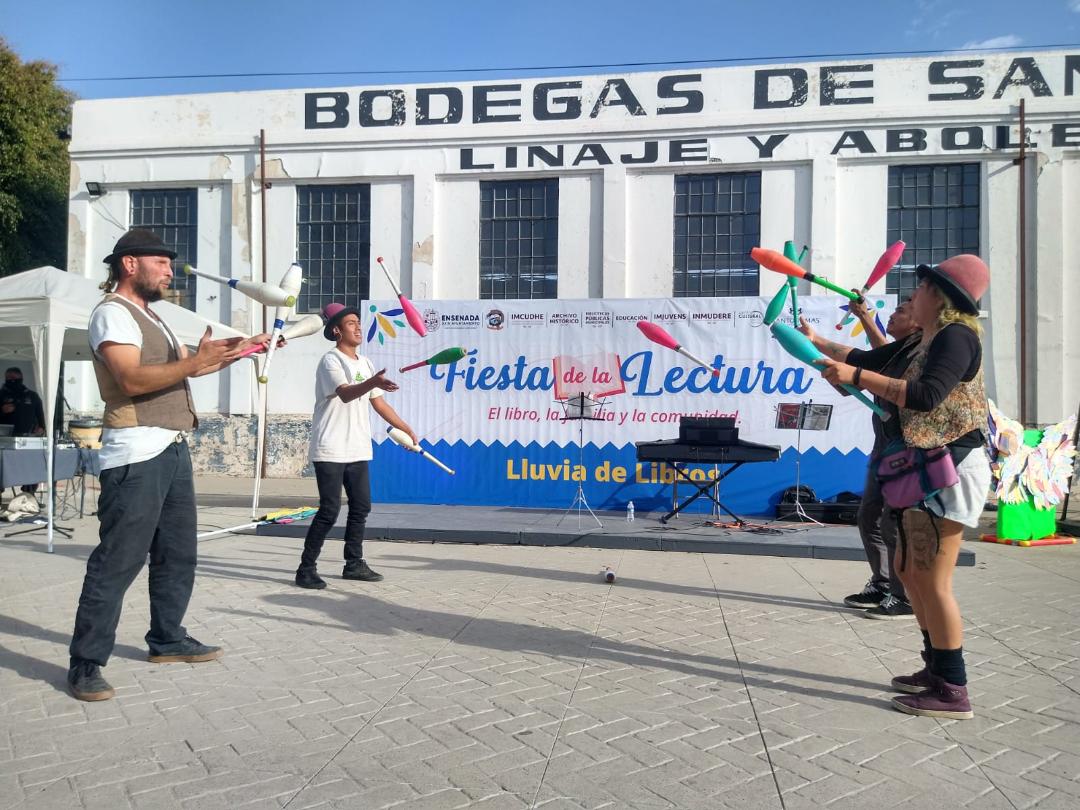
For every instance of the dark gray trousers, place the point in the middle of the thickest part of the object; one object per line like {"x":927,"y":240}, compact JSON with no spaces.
{"x":331,"y":477}
{"x":879,"y":532}
{"x":144,"y":508}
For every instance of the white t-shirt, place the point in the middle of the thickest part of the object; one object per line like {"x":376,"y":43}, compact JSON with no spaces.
{"x":341,"y":431}
{"x":113,"y":323}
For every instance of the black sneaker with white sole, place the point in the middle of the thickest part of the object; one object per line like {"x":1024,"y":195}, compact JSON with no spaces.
{"x":361,"y":571}
{"x":870,"y":596}
{"x":85,"y":681}
{"x":891,"y":607}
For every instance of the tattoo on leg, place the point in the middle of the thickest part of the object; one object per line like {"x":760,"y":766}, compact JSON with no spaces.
{"x":923,"y":540}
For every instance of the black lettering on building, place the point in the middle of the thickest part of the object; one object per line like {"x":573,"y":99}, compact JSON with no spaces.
{"x":905,"y":140}
{"x":765,"y":150}
{"x":592,"y":152}
{"x":953,"y":138}
{"x":317,"y":106}
{"x":1003,"y":139}
{"x":854,"y":139}
{"x":688,"y":150}
{"x":570,"y":103}
{"x":466,"y":160}
{"x":511,"y":157}
{"x":539,"y":153}
{"x":831,"y":83}
{"x":1072,"y":65}
{"x":454,"y":105}
{"x":482,"y":104}
{"x":1032,"y":77}
{"x":796,"y":97}
{"x":650,"y":155}
{"x":667,"y":88}
{"x":365,"y":113}
{"x":624,"y":97}
{"x":1066,"y":134}
{"x":973,"y":85}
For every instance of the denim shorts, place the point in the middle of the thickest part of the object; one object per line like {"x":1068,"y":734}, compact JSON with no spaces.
{"x":965,"y":500}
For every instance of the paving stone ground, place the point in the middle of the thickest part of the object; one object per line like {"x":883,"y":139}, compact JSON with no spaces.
{"x":513,"y":677}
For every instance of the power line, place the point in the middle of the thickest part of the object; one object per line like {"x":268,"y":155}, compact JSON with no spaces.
{"x":597,"y":66}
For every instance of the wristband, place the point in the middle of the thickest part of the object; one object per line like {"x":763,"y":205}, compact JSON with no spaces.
{"x":855,"y":377}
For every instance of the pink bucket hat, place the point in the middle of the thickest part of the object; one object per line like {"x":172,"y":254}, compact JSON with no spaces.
{"x":964,"y":278}
{"x":332,"y":313}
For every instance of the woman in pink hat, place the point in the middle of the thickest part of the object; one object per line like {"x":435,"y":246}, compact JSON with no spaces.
{"x":340,"y":448}
{"x":939,"y":401}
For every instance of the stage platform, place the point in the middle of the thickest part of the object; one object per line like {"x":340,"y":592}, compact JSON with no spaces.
{"x":540,"y":527}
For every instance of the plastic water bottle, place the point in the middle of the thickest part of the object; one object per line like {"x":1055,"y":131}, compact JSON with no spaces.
{"x":629,"y":511}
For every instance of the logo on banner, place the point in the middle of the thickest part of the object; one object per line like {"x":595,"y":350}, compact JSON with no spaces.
{"x":495,"y":319}
{"x":383,"y":323}
{"x":857,"y":327}
{"x":526,"y":318}
{"x":669,"y":317}
{"x":711,"y":317}
{"x":632,"y":318}
{"x":755,"y":316}
{"x":431,"y":320}
{"x":598,"y":319}
{"x":564,"y":319}
{"x":467,"y":320}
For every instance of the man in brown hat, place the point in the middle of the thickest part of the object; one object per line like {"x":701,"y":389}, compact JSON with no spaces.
{"x":147,"y":503}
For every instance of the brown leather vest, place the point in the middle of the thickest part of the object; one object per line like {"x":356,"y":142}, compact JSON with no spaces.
{"x":171,"y":408}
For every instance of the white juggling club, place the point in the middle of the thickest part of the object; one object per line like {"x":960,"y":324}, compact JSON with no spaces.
{"x":403,"y":438}
{"x":290,"y":283}
{"x":267,"y":294}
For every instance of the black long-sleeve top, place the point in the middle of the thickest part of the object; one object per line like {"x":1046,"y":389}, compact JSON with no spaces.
{"x":953,"y":356}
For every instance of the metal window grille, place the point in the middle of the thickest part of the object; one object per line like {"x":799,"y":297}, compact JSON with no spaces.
{"x":333,"y":241}
{"x":519,"y":238}
{"x":173,"y":214}
{"x":717,"y":222}
{"x":935,"y":210}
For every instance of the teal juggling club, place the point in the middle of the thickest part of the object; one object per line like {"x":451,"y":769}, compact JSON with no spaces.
{"x":799,"y":346}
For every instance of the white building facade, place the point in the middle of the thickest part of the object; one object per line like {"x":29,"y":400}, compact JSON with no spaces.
{"x":624,"y":185}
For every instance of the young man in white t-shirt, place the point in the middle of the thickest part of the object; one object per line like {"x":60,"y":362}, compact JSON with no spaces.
{"x":340,"y":449}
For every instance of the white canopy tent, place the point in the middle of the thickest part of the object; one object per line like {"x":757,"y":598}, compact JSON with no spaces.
{"x":44,"y":318}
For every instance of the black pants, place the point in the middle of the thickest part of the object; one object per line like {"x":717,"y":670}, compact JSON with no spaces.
{"x":879,"y":532}
{"x":330,"y":477}
{"x":147,"y":507}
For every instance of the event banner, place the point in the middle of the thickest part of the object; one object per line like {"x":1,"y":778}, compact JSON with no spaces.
{"x":498,"y":415}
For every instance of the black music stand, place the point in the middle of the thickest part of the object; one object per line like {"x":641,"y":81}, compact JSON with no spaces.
{"x":581,"y":408}
{"x":800,"y":416}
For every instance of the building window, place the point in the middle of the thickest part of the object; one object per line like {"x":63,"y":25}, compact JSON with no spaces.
{"x":173,"y":214}
{"x":935,"y":210}
{"x":717,"y":222}
{"x":333,"y":245}
{"x":519,"y":239}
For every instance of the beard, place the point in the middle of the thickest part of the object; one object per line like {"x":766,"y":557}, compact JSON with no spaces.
{"x":145,"y":290}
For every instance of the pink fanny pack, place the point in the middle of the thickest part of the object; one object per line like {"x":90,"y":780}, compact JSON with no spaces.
{"x":910,"y":476}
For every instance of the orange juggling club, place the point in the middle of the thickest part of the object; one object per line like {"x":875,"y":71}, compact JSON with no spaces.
{"x":778,"y":263}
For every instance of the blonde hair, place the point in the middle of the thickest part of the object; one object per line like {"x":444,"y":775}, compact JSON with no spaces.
{"x":950,"y":314}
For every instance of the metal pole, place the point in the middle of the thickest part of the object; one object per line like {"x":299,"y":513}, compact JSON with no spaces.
{"x":1021,"y":162}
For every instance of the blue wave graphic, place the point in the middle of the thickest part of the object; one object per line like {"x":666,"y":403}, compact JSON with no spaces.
{"x":541,"y":476}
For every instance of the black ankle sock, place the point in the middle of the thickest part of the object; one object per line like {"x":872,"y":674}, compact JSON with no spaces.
{"x":949,"y":665}
{"x":928,"y":648}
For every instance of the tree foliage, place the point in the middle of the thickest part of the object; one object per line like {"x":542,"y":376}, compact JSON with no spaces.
{"x":35,"y":115}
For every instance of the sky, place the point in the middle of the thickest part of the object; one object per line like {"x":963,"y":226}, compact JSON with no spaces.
{"x":121,"y":38}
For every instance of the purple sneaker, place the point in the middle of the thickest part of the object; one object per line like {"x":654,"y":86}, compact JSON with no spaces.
{"x":941,"y":700}
{"x":912,"y":684}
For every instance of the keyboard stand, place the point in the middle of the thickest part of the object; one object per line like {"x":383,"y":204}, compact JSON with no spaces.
{"x":707,"y":488}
